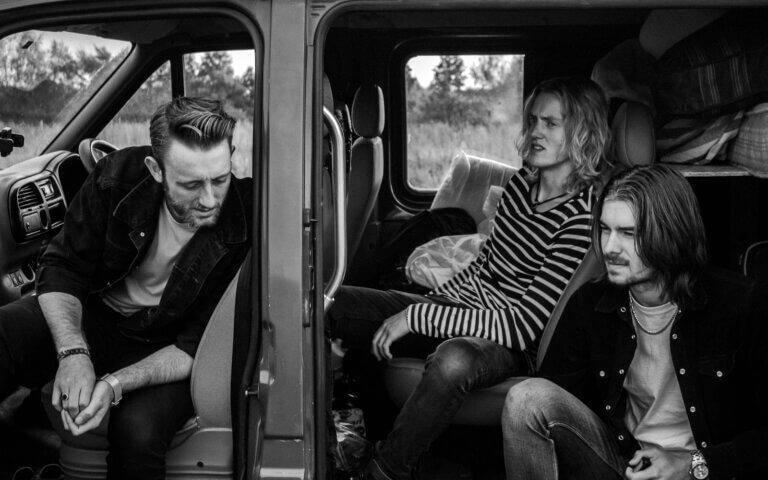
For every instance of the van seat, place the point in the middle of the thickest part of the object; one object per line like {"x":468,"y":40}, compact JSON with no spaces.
{"x":468,"y":182}
{"x":202,"y":448}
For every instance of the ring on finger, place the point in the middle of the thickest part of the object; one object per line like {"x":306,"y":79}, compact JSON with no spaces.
{"x":64,"y":397}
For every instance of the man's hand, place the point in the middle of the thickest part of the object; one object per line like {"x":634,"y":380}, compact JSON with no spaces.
{"x":393,"y":328}
{"x":73,"y":385}
{"x":664,"y":465}
{"x":92,"y":416}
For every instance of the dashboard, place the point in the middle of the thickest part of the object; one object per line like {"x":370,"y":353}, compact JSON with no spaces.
{"x":34,"y":195}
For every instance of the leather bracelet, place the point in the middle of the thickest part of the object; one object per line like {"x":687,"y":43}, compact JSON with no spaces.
{"x":66,"y":352}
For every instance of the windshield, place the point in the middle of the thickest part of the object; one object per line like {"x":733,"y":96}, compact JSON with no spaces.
{"x":45,"y":78}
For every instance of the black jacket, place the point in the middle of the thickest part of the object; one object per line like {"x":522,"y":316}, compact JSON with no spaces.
{"x":718,"y":351}
{"x":108,"y":229}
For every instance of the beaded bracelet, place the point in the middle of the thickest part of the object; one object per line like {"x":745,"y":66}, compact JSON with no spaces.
{"x":64,"y":353}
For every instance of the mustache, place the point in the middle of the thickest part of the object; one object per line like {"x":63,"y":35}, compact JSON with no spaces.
{"x":614,"y":259}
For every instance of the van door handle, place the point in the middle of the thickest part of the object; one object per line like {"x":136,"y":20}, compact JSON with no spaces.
{"x":339,"y":206}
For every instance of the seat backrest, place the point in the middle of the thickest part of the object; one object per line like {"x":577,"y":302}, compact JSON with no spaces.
{"x":366,"y":162}
{"x":589,"y":269}
{"x":212,"y":368}
{"x":634,"y":136}
{"x":468,"y":182}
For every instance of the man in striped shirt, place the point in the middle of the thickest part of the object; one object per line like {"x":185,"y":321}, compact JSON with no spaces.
{"x":493,"y":312}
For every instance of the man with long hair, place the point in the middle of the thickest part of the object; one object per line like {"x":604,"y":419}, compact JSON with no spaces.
{"x":126,"y":288}
{"x":653,"y":371}
{"x":484,"y":324}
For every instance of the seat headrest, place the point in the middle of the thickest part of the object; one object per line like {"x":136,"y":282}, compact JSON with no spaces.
{"x":634,"y":137}
{"x":368,"y":111}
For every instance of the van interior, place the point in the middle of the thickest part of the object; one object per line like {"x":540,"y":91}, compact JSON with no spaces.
{"x":363,"y":142}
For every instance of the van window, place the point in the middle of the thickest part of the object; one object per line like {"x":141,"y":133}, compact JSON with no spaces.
{"x":45,"y":78}
{"x":131,"y":124}
{"x":470,"y":103}
{"x":228,"y":76}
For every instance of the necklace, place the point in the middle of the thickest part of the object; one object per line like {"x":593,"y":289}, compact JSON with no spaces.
{"x":643,"y":327}
{"x":536,"y":203}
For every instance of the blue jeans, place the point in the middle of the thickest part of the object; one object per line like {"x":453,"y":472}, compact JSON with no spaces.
{"x":454,"y":367}
{"x":550,"y":434}
{"x":142,"y":426}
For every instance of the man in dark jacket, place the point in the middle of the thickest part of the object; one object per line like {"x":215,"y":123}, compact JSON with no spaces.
{"x":125,"y":289}
{"x":655,"y":371}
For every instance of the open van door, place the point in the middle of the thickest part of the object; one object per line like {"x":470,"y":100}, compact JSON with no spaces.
{"x":150,"y":51}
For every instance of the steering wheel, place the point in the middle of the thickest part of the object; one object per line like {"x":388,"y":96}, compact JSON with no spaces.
{"x":91,"y":150}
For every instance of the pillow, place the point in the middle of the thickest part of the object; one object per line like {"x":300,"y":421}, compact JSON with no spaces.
{"x":750,"y":147}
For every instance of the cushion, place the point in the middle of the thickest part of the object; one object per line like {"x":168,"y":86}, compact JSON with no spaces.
{"x":721,"y":68}
{"x":468,"y":182}
{"x":697,"y":141}
{"x":750,"y":147}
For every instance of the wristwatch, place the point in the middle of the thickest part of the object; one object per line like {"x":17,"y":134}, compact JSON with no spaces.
{"x":117,"y":389}
{"x":699,"y":469}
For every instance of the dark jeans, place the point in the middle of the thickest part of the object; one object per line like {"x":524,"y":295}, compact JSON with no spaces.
{"x":550,"y":434}
{"x":142,"y":426}
{"x":454,"y":367}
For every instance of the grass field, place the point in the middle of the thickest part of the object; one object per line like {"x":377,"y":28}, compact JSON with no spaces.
{"x":124,"y":134}
{"x":431,"y":147}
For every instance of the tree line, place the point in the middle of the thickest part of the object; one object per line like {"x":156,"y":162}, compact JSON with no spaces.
{"x":40,"y":81}
{"x":496,"y":81}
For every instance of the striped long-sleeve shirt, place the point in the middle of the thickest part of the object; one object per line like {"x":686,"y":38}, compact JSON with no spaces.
{"x":509,"y":292}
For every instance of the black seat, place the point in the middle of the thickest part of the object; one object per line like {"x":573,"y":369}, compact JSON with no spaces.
{"x":366,"y":162}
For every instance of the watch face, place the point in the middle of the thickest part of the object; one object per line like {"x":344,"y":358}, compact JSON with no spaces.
{"x":700,"y":472}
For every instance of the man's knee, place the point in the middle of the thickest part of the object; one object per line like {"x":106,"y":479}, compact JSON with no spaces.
{"x":458,"y":361}
{"x":529,"y":399}
{"x":132,"y":435}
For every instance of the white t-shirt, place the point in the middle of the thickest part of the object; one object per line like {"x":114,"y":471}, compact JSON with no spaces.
{"x":655,"y":410}
{"x":144,"y":286}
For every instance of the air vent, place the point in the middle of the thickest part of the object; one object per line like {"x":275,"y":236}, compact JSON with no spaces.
{"x":28,"y":196}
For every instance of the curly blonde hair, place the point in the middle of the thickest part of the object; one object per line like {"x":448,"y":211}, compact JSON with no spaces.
{"x":585,"y":111}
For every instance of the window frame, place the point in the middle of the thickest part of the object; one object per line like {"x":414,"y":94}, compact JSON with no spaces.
{"x":409,"y":198}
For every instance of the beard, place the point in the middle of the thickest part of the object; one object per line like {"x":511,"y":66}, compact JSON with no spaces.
{"x":186,"y":212}
{"x":626,"y":276}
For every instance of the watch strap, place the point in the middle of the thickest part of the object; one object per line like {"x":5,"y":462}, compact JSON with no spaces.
{"x":117,"y":389}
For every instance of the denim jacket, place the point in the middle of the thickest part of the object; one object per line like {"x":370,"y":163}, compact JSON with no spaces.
{"x":718,"y":352}
{"x":108,"y":229}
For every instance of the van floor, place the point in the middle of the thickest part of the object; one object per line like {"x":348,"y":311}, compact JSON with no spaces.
{"x":26,"y":437}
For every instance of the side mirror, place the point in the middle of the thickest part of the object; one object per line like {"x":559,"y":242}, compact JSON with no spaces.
{"x":8,"y":140}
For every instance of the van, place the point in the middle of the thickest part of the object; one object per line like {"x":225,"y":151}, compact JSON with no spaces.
{"x":351,"y":115}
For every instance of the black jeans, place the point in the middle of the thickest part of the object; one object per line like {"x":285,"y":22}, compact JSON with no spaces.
{"x":454,"y":367}
{"x":142,"y":426}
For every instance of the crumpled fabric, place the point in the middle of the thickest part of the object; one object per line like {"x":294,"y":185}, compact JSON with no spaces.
{"x":435,"y":262}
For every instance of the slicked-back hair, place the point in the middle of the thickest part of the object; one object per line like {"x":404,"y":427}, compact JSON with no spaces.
{"x":195,"y":122}
{"x":587,"y":134}
{"x":669,"y":231}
